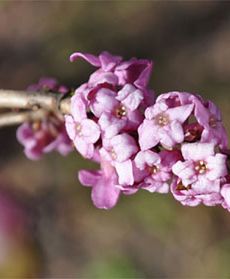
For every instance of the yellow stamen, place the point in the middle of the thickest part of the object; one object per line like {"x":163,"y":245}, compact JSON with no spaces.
{"x":201,"y":167}
{"x":153,"y":169}
{"x":120,"y":112}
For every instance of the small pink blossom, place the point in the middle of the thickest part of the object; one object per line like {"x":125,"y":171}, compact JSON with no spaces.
{"x":199,"y":175}
{"x":189,"y":197}
{"x":44,"y":136}
{"x":118,"y":151}
{"x":82,"y":131}
{"x":40,"y":138}
{"x":122,"y":111}
{"x":104,"y":183}
{"x":163,"y":125}
{"x":48,"y":84}
{"x":157,"y":168}
{"x":119,"y":148}
{"x":209,"y":116}
{"x":200,"y":161}
{"x":134,"y":71}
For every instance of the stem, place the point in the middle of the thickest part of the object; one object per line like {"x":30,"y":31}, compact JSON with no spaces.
{"x":36,"y":104}
{"x":12,"y":118}
{"x":29,"y":100}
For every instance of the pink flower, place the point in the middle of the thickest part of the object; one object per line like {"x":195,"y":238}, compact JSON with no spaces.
{"x":34,"y":140}
{"x":104,"y":100}
{"x":118,"y":151}
{"x":61,"y":143}
{"x":163,"y":125}
{"x":119,"y":148}
{"x":189,"y":197}
{"x":48,"y":84}
{"x":208,"y":126}
{"x":209,"y":116}
{"x":49,"y":134}
{"x":82,"y":131}
{"x":121,"y":111}
{"x":199,"y":174}
{"x":157,"y":169}
{"x":43,"y":137}
{"x":200,"y":162}
{"x":104,"y":183}
{"x":134,"y":71}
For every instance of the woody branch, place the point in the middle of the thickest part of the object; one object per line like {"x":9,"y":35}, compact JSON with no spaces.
{"x":30,"y":106}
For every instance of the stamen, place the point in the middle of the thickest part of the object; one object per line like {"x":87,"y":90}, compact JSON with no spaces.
{"x":78,"y":129}
{"x":201,"y":167}
{"x":120,"y":111}
{"x":113,"y":154}
{"x":162,"y":119}
{"x":153,"y":169}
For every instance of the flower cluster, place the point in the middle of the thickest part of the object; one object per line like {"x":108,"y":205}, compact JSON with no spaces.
{"x":39,"y":137}
{"x":105,"y":115}
{"x":175,"y":143}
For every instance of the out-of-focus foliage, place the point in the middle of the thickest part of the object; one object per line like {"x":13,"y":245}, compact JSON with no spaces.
{"x":146,"y":235}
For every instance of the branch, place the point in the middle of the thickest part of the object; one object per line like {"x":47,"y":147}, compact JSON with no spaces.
{"x":12,"y":118}
{"x":36,"y":104}
{"x":29,"y":100}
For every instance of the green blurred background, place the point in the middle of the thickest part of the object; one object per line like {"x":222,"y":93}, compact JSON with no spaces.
{"x":145,"y":235}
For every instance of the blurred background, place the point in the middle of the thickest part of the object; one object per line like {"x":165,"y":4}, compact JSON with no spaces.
{"x":48,"y":225}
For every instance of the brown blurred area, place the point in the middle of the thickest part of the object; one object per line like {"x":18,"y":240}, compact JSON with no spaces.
{"x":145,"y":235}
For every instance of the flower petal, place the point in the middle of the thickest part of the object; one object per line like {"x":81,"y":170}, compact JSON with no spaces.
{"x":109,"y":61}
{"x":70,"y":126}
{"x":78,"y":108}
{"x":84,"y":148}
{"x":89,"y":178}
{"x":130,"y":96}
{"x":185,"y":171}
{"x":197,"y":151}
{"x":124,"y":147}
{"x":105,"y":194}
{"x":148,"y":134}
{"x":180,"y":113}
{"x":125,"y":172}
{"x":92,"y":59}
{"x":90,"y":131}
{"x":216,"y":166}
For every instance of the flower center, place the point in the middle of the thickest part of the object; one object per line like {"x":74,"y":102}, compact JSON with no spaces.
{"x":113,"y":154}
{"x":153,"y":169}
{"x":212,"y":121}
{"x":78,"y":128}
{"x":162,"y":119}
{"x":120,"y":111}
{"x":201,"y":167}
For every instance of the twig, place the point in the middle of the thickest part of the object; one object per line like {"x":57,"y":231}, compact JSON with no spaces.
{"x":29,"y":100}
{"x":14,"y":118}
{"x":36,"y":104}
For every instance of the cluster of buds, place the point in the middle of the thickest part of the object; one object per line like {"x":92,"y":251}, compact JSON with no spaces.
{"x":173,"y":143}
{"x":49,"y":134}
